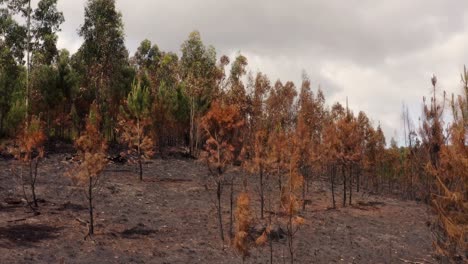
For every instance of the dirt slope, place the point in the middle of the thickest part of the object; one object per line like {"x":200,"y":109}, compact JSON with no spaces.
{"x":170,"y":218}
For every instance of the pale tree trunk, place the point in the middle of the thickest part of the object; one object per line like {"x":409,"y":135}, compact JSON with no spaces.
{"x":28,"y":62}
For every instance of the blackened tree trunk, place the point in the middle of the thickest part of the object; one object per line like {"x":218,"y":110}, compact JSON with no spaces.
{"x":411,"y":183}
{"x":140,"y":165}
{"x":90,"y":199}
{"x":2,"y":117}
{"x":343,"y":172}
{"x":332,"y":180}
{"x":270,"y":242}
{"x":262,"y":196}
{"x":350,"y":184}
{"x":290,"y":238}
{"x":358,"y":179}
{"x":231,"y":203}
{"x":192,"y":128}
{"x":304,"y":184}
{"x":31,"y":183}
{"x":33,"y":177}
{"x":220,"y":218}
{"x":280,"y":181}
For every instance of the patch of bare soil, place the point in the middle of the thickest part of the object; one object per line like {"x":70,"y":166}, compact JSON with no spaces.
{"x":170,"y":218}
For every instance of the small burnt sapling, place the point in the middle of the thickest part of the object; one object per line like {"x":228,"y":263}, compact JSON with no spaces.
{"x":29,"y":151}
{"x":290,"y":201}
{"x":133,"y":126}
{"x":87,"y":174}
{"x":222,"y":125}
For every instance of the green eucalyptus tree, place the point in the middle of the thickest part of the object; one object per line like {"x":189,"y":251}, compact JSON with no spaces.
{"x":198,"y":73}
{"x":12,"y":47}
{"x":107,"y":73}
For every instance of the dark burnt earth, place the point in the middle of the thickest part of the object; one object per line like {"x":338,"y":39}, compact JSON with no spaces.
{"x":170,"y":218}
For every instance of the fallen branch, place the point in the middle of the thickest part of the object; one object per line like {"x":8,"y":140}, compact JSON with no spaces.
{"x":424,"y":260}
{"x":17,"y":220}
{"x":412,"y":262}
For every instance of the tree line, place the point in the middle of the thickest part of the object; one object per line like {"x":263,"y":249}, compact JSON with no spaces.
{"x":284,"y":136}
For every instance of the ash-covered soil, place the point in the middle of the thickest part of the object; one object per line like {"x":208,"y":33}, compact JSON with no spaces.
{"x":170,"y":217}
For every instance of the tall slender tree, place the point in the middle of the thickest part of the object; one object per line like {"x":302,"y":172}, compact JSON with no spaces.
{"x":105,"y":58}
{"x":38,"y":35}
{"x":198,"y":72}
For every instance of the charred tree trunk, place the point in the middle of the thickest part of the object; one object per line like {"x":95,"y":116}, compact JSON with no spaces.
{"x":290,"y":238}
{"x":358,"y":182}
{"x":411,"y":195}
{"x":2,"y":119}
{"x":270,"y":242}
{"x":343,"y":172}
{"x":90,"y":199}
{"x":33,"y":177}
{"x":367,"y":176}
{"x":280,"y":182}
{"x":262,"y":196}
{"x":140,"y":165}
{"x":332,"y":180}
{"x":231,"y":203}
{"x":220,"y":217}
{"x":306,"y":174}
{"x":350,"y":184}
{"x":197,"y":138}
{"x":192,"y":119}
{"x":31,"y":183}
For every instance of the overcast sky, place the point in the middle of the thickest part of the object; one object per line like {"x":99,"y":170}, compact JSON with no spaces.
{"x":378,"y":53}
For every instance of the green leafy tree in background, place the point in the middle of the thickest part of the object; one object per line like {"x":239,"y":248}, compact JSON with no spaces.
{"x":198,"y":72}
{"x":12,"y":37}
{"x":38,"y":38}
{"x":46,"y":21}
{"x":160,"y":72}
{"x":11,"y":83}
{"x":105,"y":59}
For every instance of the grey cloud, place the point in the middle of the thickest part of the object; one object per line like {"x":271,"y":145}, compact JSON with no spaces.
{"x":378,"y":53}
{"x":362,"y":31}
{"x":359,"y":30}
